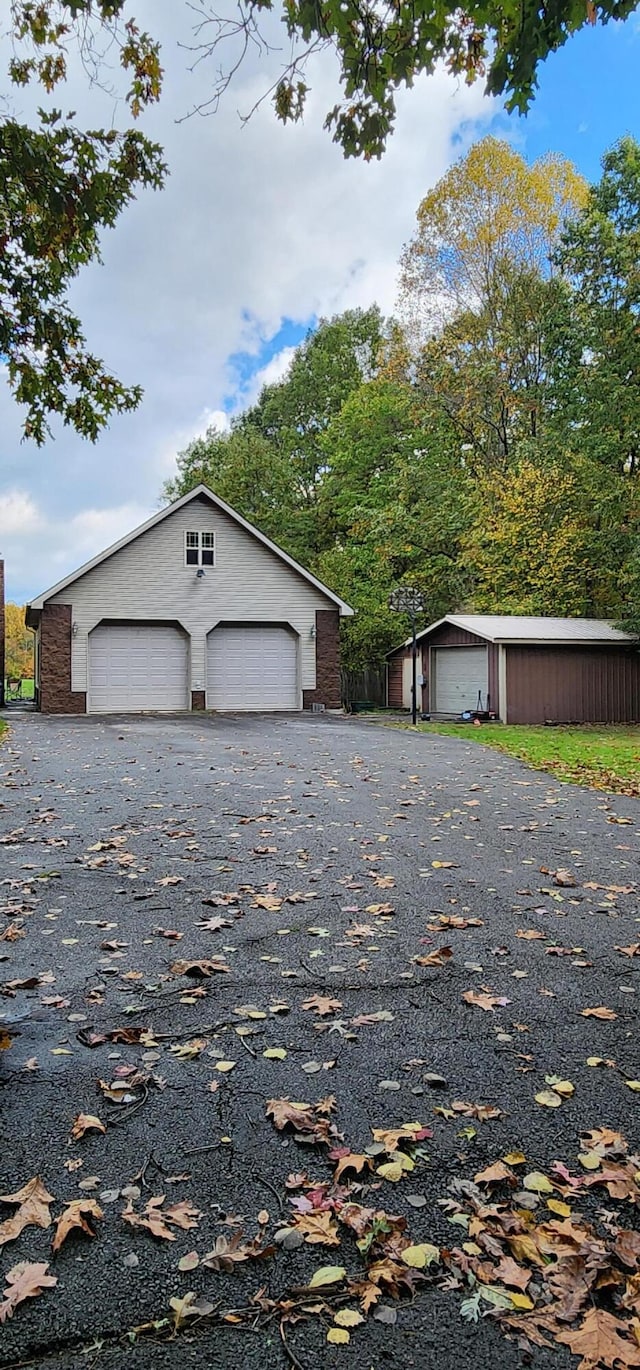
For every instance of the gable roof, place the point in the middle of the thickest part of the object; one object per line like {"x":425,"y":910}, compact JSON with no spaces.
{"x":200,"y":491}
{"x":540,"y":631}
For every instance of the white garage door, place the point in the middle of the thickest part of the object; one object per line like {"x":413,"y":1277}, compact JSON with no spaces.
{"x":133,"y":667}
{"x":461,"y":674}
{"x":252,"y":667}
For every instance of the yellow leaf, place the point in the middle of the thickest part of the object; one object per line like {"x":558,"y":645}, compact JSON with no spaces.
{"x":514,"y":1158}
{"x":538,"y":1182}
{"x":421,"y":1255}
{"x":520,"y":1300}
{"x":595,"y":1061}
{"x":548,"y":1098}
{"x":348,"y":1317}
{"x":634,"y":1085}
{"x":274,"y":1053}
{"x":327,"y":1274}
{"x":224,"y":1066}
{"x":60,"y":1051}
{"x":338,"y":1336}
{"x":563,"y":1087}
{"x":557,"y":1206}
{"x":589,"y":1160}
{"x":392,"y":1171}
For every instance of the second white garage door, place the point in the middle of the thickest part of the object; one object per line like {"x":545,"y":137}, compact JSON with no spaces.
{"x":461,"y":675}
{"x":133,"y":667}
{"x":252,"y":667}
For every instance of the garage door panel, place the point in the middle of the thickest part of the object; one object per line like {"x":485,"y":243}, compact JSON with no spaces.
{"x":135,"y":667}
{"x":461,"y":675}
{"x":252,"y":667}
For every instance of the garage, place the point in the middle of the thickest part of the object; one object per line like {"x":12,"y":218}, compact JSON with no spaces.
{"x":461,"y":678}
{"x":252,"y":667}
{"x":137,"y":666}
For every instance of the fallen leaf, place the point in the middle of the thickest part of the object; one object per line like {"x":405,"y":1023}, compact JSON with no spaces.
{"x":200,"y":969}
{"x":348,"y":1317}
{"x":157,"y":1219}
{"x":33,"y":1211}
{"x":338,"y":1336}
{"x":326,"y":1274}
{"x":421,"y":1255}
{"x":86,"y":1122}
{"x":24,"y":1281}
{"x":488,"y":1002}
{"x":322,"y":1004}
{"x":538,"y":1183}
{"x":434,"y":958}
{"x":601,"y":1341}
{"x":76,"y":1214}
{"x":274,"y":1053}
{"x":600,"y":1012}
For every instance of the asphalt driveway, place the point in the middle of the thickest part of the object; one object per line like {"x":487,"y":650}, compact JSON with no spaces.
{"x":215,"y":889}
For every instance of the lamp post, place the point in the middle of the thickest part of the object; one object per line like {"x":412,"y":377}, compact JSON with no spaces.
{"x":407,"y":600}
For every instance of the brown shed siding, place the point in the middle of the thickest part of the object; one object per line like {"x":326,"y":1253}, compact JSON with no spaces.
{"x":572,"y":684}
{"x":394,"y":681}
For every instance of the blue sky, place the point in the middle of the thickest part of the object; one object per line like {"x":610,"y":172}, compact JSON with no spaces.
{"x":587,"y":98}
{"x":206,"y":288}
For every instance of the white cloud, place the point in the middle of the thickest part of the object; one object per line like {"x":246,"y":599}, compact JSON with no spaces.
{"x":18,"y":514}
{"x":56,"y":547}
{"x":275,"y":370}
{"x":257,"y":224}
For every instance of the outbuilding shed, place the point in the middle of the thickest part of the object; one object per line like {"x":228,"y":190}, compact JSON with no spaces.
{"x":524,"y":670}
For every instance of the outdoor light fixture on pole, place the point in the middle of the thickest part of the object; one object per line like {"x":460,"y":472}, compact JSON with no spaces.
{"x":407,"y":600}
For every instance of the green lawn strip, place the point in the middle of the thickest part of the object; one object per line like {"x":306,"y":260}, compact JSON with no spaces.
{"x":607,"y":758}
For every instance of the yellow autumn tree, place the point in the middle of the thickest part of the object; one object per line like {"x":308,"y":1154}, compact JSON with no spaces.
{"x":544,"y":541}
{"x":18,"y":644}
{"x":492,"y":210}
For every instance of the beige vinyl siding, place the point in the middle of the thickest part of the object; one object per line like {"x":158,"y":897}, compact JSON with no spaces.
{"x":148,"y":580}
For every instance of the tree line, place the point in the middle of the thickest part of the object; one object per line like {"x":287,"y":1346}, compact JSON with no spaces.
{"x":482,"y":445}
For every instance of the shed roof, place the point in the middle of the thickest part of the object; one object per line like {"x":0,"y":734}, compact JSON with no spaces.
{"x":535,"y":631}
{"x":199,"y":492}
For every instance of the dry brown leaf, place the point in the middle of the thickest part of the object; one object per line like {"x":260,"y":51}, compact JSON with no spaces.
{"x":25,"y":1281}
{"x":318,"y":1228}
{"x":606,"y":1013}
{"x":564,"y":878}
{"x":156,"y":1218}
{"x":353,"y":1161}
{"x":76,"y":1214}
{"x":434,"y":958}
{"x":497,"y":1173}
{"x":231,"y":1251}
{"x":200,"y":969}
{"x":601,"y":1341}
{"x":86,"y":1122}
{"x":33,"y":1211}
{"x":510,"y":1273}
{"x":488,"y":1002}
{"x":322,"y":1004}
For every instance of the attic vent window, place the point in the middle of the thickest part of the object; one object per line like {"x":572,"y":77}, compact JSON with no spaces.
{"x":199,"y":549}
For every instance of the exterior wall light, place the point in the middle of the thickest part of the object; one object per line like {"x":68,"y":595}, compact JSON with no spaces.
{"x":74,"y":629}
{"x":200,"y":573}
{"x":312,"y":631}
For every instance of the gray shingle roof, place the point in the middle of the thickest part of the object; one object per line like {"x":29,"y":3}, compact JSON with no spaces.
{"x":534,"y":630}
{"x":521,"y":628}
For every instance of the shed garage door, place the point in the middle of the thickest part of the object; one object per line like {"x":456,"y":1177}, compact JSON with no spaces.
{"x":252,"y":667}
{"x":133,"y":667}
{"x":461,"y":674}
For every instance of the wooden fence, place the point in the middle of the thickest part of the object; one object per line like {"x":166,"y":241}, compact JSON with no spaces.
{"x":369,"y":685}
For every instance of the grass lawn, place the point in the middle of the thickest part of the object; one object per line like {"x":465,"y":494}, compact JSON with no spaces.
{"x":608,"y":758}
{"x":26,"y":691}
